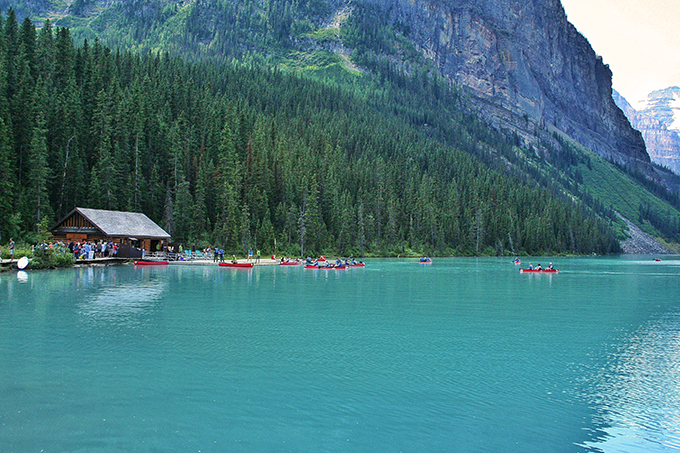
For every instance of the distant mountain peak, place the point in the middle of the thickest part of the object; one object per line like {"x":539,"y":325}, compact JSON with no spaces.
{"x":658,"y":119}
{"x":664,"y":106}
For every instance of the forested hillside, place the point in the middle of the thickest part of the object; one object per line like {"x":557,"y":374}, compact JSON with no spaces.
{"x":240,"y":155}
{"x":199,"y":29}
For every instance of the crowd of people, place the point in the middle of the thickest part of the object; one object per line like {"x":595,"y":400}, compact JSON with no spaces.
{"x":92,"y":250}
{"x":79,"y":249}
{"x":86,"y":250}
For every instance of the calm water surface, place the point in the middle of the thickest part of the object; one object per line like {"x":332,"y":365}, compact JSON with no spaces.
{"x":463,"y":355}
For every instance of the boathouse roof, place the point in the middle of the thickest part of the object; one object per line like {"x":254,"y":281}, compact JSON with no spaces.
{"x":110,"y":223}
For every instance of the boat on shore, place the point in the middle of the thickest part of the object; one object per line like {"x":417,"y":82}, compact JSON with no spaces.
{"x":538,"y":271}
{"x":150,"y":263}
{"x":245,"y":265}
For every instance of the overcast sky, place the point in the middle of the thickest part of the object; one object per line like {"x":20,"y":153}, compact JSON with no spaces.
{"x":638,"y":39}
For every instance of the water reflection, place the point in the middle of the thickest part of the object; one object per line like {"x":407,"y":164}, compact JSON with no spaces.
{"x":120,"y":303}
{"x":22,"y":276}
{"x":637,"y":396}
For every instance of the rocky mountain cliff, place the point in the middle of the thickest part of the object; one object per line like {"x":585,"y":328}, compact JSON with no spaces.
{"x":523,"y":60}
{"x":658,"y":125}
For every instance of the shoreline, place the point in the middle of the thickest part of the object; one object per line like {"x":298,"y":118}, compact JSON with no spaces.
{"x":6,"y":266}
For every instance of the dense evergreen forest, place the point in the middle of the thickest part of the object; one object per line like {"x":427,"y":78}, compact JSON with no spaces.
{"x":241,"y":155}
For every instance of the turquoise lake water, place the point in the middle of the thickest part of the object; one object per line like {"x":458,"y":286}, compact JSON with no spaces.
{"x":461,"y":355}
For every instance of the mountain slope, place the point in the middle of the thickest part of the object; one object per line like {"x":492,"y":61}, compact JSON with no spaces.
{"x":519,"y":67}
{"x":525,"y":65}
{"x":242,"y":156}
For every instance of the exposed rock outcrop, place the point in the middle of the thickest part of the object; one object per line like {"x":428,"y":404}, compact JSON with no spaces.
{"x":640,"y":243}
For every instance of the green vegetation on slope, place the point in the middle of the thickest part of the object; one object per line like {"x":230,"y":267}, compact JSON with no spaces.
{"x":239,"y":155}
{"x":631,"y":199}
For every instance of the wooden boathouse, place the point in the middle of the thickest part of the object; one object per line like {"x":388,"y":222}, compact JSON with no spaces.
{"x":131,"y":231}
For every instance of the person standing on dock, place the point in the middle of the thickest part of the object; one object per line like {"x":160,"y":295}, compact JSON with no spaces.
{"x":258,"y":256}
{"x":250,"y":254}
{"x":11,"y":249}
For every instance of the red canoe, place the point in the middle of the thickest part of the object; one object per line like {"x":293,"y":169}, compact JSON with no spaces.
{"x":291,"y":263}
{"x":150,"y":263}
{"x":357,"y":265}
{"x":536,"y":271}
{"x":324,"y":267}
{"x":248,"y":265}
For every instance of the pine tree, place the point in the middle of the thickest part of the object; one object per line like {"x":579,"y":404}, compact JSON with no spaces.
{"x":37,"y":198}
{"x":245,"y":233}
{"x":200,"y":224}
{"x":45,"y":52}
{"x":182,"y":206}
{"x":7,"y":178}
{"x":103,"y":173}
{"x":168,"y":213}
{"x":27,"y":46}
{"x":22,"y":111}
{"x":228,"y":177}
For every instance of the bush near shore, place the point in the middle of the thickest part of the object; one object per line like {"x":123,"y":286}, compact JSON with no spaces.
{"x":41,"y":257}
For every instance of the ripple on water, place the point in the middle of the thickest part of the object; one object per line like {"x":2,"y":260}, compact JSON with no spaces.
{"x":637,"y":397}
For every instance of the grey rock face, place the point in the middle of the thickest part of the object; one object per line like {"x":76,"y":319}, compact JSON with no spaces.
{"x":523,"y":56}
{"x":656,"y":122}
